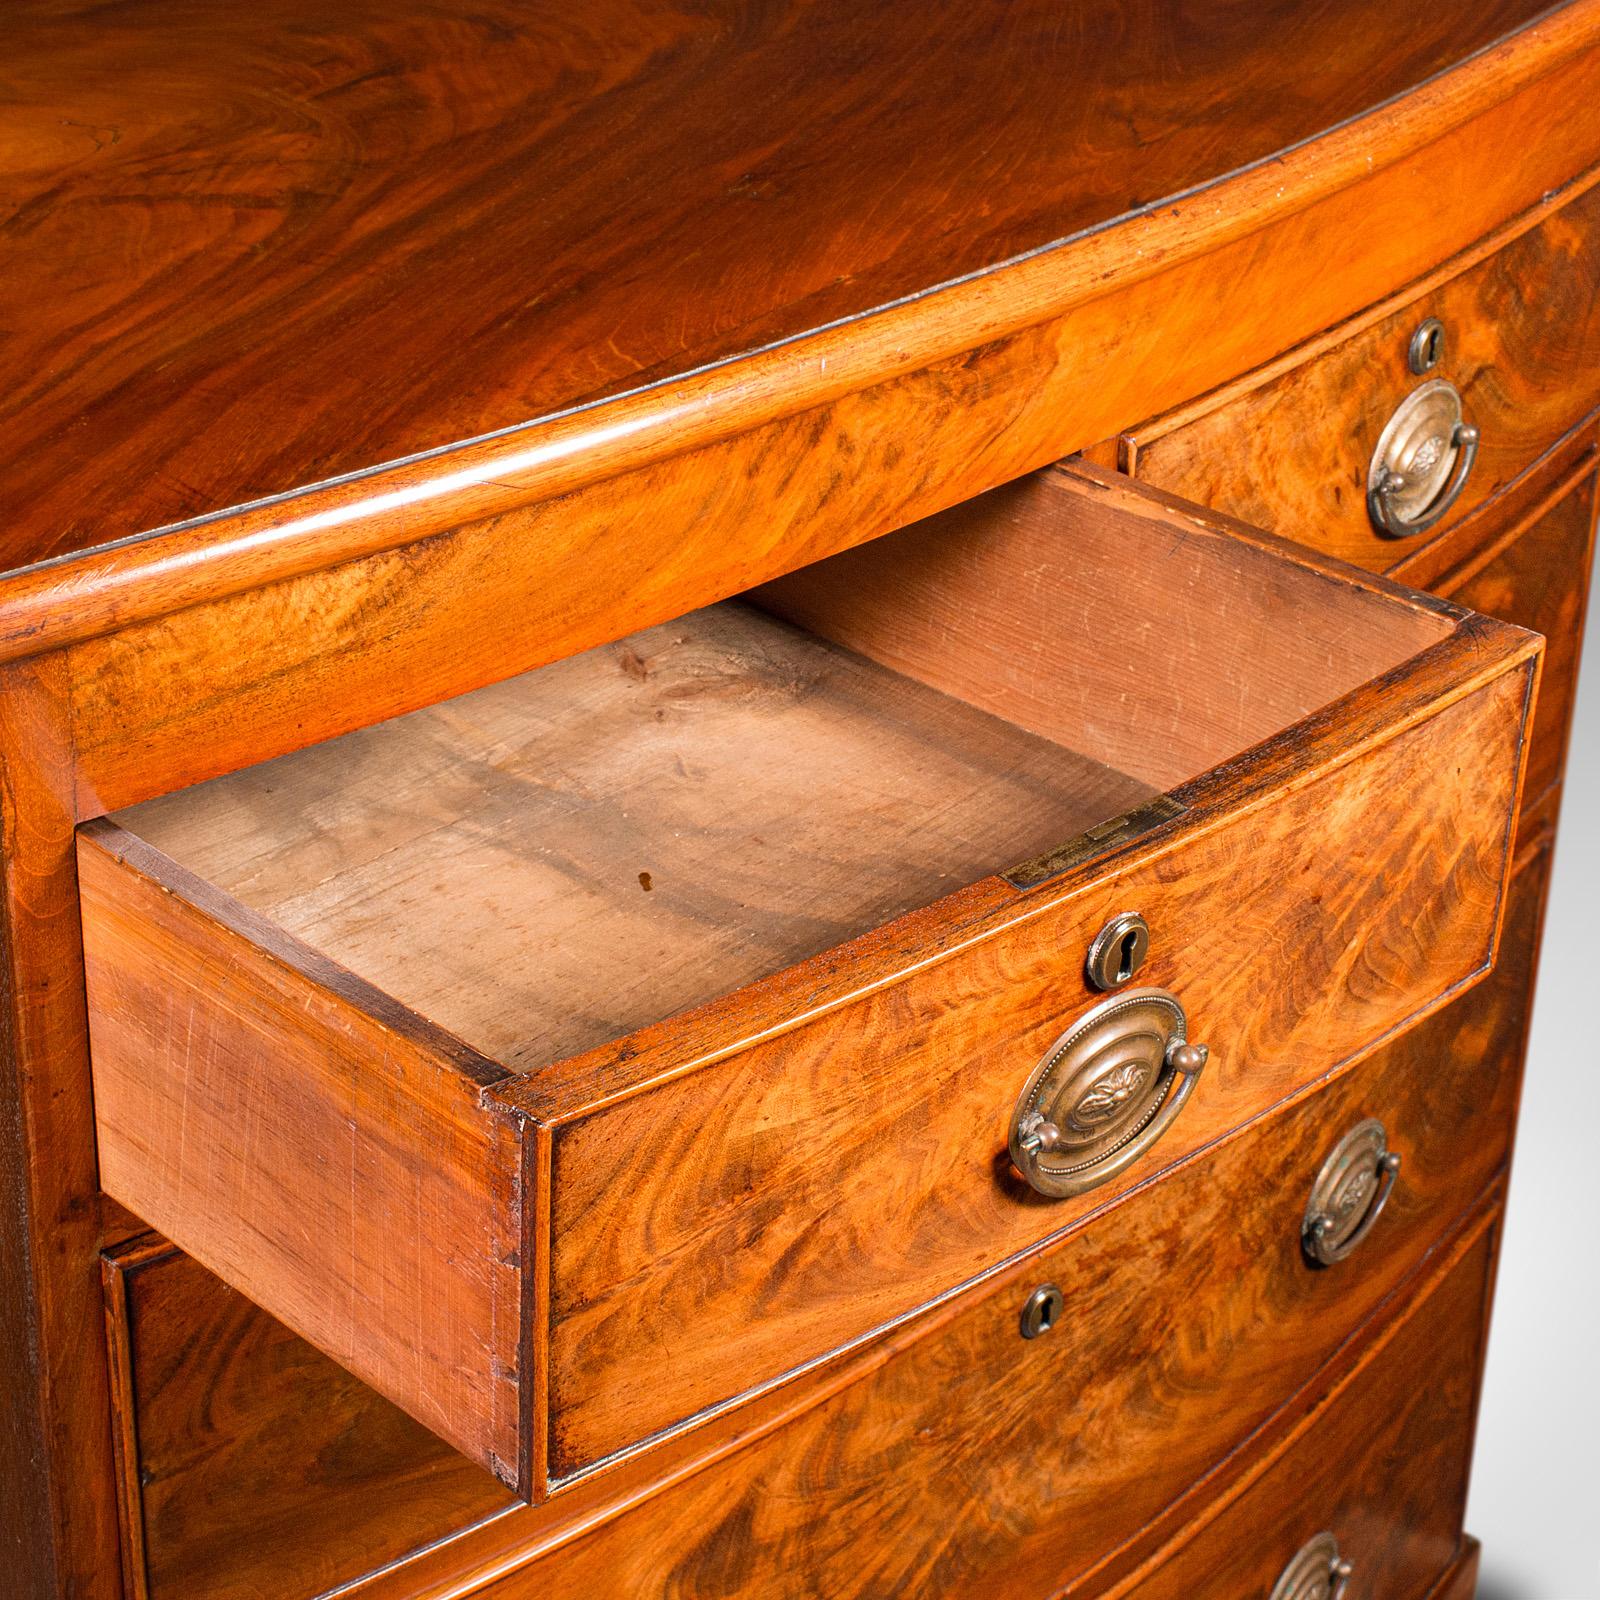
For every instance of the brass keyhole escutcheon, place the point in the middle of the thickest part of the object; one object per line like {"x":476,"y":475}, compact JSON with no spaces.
{"x":1117,"y":951}
{"x":1105,"y":1091}
{"x":1042,"y":1311}
{"x":1426,"y":349}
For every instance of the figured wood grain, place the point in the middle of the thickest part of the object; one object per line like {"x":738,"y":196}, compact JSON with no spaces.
{"x":1382,"y":1464}
{"x":306,"y":1139}
{"x":1461,"y":1581}
{"x":1537,"y":576}
{"x":841,"y":1172}
{"x":58,"y":1517}
{"x":1159,"y":643}
{"x":777,"y":1247}
{"x":1289,"y":448}
{"x":1051,"y":1448}
{"x":989,"y":378}
{"x":261,"y":1468}
{"x":327,"y":1507}
{"x":300,"y":249}
{"x":634,"y":831}
{"x":1429,"y":1088}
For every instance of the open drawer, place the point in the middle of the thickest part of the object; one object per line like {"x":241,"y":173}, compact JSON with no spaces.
{"x":577,"y":1057}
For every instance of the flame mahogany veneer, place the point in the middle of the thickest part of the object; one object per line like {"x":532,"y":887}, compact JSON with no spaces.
{"x":641,"y":403}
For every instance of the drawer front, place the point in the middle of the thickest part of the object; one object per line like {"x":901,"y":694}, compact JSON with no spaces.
{"x":835,"y":1178}
{"x":255,"y":1468}
{"x":1289,"y":447}
{"x":1376,"y":1478}
{"x":300,"y":1477}
{"x":971,"y":1460}
{"x":1537,"y":575}
{"x":759,"y":1185}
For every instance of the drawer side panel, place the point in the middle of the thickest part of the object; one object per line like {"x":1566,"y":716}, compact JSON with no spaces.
{"x":307,"y":1151}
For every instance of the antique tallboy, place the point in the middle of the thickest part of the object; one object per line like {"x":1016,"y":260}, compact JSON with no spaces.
{"x":777,"y":782}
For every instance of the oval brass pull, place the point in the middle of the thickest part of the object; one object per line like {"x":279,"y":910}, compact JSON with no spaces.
{"x":1105,"y":1091}
{"x":1350,"y":1192}
{"x":1317,"y":1572}
{"x":1410,"y":485}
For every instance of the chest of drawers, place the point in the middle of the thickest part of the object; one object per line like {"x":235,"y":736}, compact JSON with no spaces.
{"x":775,"y":811}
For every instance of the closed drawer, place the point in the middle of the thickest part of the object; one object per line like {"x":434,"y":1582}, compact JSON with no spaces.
{"x":973,"y":1461}
{"x":1290,"y":446}
{"x":578,"y":1057}
{"x":1375,"y":1480}
{"x":1536,"y":574}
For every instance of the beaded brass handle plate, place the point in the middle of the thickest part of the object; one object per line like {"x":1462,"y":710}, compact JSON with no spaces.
{"x":1104,"y":1093}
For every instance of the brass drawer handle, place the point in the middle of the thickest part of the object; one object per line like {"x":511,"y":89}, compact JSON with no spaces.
{"x":1407,"y":491}
{"x":1105,"y":1091}
{"x":1350,"y":1193}
{"x":1317,"y":1572}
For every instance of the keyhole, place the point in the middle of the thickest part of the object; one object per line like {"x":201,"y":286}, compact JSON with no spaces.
{"x":1042,"y":1311}
{"x":1118,"y":951}
{"x":1426,"y":349}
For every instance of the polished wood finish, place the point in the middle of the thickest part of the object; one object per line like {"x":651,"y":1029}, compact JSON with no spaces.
{"x":1536,"y":574}
{"x":546,"y":1221}
{"x":854,"y":1497}
{"x":822,"y":442}
{"x":314,"y":249}
{"x":58,"y":1516}
{"x":1444,"y":1088}
{"x":1380,"y":1463}
{"x":255,"y":1466}
{"x":210,"y":321}
{"x":1288,"y":447}
{"x":1461,"y":1581}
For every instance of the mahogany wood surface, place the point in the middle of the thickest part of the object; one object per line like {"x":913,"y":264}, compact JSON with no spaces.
{"x":776,"y":1247}
{"x":1381,"y":1464}
{"x":308,"y":1479}
{"x":304,"y":245}
{"x":348,"y":1477}
{"x":1537,"y":575}
{"x":896,"y":415}
{"x":1288,"y":448}
{"x":58,"y":1517}
{"x":236,"y":281}
{"x":1461,"y":1581}
{"x":741,"y":1205}
{"x":853,"y":1498}
{"x":257,"y":1467}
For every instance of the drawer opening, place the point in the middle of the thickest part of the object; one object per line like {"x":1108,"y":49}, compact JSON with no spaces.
{"x":550,"y":863}
{"x":585,"y":1057}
